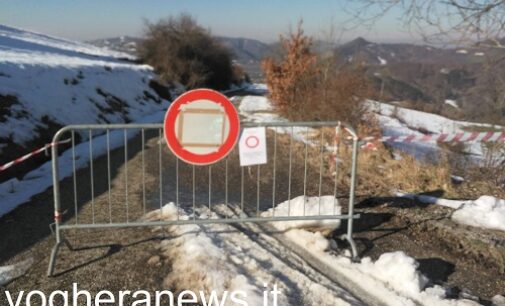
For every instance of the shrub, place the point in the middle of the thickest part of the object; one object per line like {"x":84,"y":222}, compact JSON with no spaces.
{"x":306,"y":86}
{"x":183,"y":51}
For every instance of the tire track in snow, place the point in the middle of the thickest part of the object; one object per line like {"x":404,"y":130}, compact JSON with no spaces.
{"x":244,"y":256}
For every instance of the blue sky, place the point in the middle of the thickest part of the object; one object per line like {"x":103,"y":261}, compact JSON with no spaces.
{"x":261,"y":19}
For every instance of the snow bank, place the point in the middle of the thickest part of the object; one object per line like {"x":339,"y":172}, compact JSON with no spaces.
{"x":198,"y":263}
{"x":11,"y":272}
{"x":396,"y":121}
{"x":219,"y":257}
{"x":394,"y":278}
{"x":16,"y":192}
{"x":255,"y":104}
{"x":307,"y":206}
{"x":486,"y":212}
{"x":53,"y":81}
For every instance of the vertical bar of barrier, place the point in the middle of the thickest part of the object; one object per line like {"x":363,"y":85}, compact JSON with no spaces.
{"x":351,"y":195}
{"x":321,"y":169}
{"x":91,"y":176}
{"x":258,"y":191}
{"x":242,"y":190}
{"x":210,"y":186}
{"x":74,"y":174}
{"x":143,"y":136}
{"x":125,"y":137}
{"x":226,"y":185}
{"x":305,"y":168}
{"x":194,"y":200}
{"x":274,"y":172}
{"x":108,"y":176}
{"x":160,"y":165}
{"x":57,"y":204}
{"x":335,"y":157}
{"x":289,"y":171}
{"x":177,"y":185}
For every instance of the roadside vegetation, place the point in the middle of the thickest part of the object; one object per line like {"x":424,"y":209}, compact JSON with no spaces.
{"x":308,"y":86}
{"x":182,"y":51}
{"x":304,"y":85}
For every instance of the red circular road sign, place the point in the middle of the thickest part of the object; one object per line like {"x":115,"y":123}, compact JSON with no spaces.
{"x":201,"y":126}
{"x":252,"y":142}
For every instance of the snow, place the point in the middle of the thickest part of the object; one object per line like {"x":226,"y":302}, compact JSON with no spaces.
{"x":255,"y":104}
{"x":67,"y":82}
{"x":260,"y":109}
{"x":455,"y":204}
{"x":462,"y":51}
{"x":20,"y":38}
{"x":307,"y":206}
{"x":10,"y":272}
{"x":219,"y":257}
{"x":15,"y":193}
{"x":394,"y":278}
{"x":486,"y":212}
{"x":205,"y":263}
{"x":452,"y":103}
{"x":258,"y":88}
{"x":382,"y":61}
{"x":396,"y":121}
{"x":479,"y":53}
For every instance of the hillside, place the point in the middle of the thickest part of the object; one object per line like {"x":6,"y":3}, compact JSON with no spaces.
{"x":47,"y":82}
{"x":457,"y":82}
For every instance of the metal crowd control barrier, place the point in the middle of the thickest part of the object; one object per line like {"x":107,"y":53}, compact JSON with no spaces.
{"x":299,"y":155}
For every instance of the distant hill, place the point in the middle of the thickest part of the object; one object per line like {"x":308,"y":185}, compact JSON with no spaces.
{"x":127,"y":44}
{"x":456,"y":82}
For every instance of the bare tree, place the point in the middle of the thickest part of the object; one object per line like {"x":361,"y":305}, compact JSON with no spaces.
{"x":439,"y":20}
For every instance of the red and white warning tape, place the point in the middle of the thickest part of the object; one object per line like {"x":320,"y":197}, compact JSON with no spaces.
{"x":31,"y":154}
{"x":458,"y":137}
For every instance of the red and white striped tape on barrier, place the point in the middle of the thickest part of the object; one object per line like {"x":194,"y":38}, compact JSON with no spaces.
{"x":31,"y":154}
{"x":457,"y":137}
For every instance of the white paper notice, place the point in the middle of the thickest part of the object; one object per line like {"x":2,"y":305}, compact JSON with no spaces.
{"x":252,"y":146}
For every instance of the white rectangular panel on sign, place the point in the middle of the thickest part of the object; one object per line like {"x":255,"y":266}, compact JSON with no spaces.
{"x":253,"y":147}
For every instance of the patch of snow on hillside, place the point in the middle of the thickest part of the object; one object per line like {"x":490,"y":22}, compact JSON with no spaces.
{"x":54,"y":81}
{"x":479,"y":54}
{"x":255,"y":104}
{"x":20,"y":39}
{"x":461,"y":51}
{"x":486,"y":212}
{"x":452,"y":103}
{"x":257,"y":88}
{"x":397,"y":121}
{"x":382,"y":61}
{"x":307,"y":206}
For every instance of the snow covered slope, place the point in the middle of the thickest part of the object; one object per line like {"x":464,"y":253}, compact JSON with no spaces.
{"x":397,"y":121}
{"x":46,"y":82}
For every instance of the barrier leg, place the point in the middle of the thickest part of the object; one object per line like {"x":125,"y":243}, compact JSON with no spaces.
{"x":52,"y":259}
{"x":354,"y":250}
{"x":54,"y":253}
